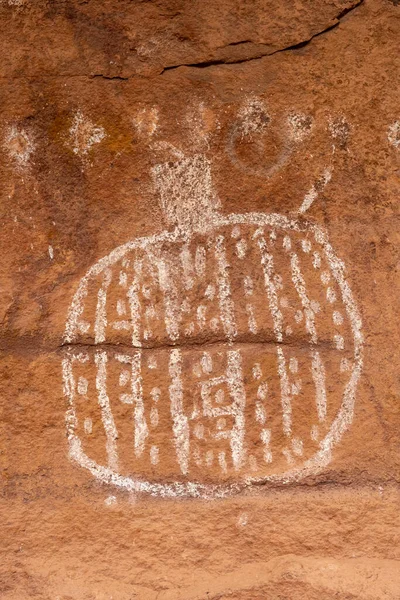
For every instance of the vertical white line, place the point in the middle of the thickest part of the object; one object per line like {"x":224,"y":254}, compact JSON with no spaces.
{"x":285,"y":393}
{"x":101,"y":309}
{"x":69,"y":392}
{"x":180,"y":422}
{"x":76,"y":310}
{"x":134,"y":305}
{"x":238,"y":393}
{"x":312,"y":194}
{"x":106,"y":414}
{"x":200,"y":261}
{"x":222,"y":462}
{"x":317,"y":367}
{"x":266,"y":438}
{"x":187,"y":266}
{"x":225,"y":301}
{"x":172,"y":312}
{"x":267,"y":262}
{"x":318,"y":375}
{"x":300,"y":286}
{"x":141,"y":430}
{"x":251,"y":318}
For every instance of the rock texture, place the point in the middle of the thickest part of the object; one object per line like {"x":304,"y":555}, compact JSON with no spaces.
{"x":198,"y":303}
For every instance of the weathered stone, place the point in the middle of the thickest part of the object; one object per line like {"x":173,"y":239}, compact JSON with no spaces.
{"x":199,"y":284}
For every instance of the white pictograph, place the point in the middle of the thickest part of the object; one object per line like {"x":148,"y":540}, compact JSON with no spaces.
{"x":219,"y":354}
{"x":394,"y":134}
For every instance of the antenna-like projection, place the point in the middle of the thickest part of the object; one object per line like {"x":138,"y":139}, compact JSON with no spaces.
{"x":315,"y":189}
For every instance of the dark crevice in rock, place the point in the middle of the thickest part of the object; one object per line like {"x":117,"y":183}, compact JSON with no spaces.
{"x":298,"y":46}
{"x":115,"y":78}
{"x":304,"y":344}
{"x":238,"y":43}
{"x":256,"y":50}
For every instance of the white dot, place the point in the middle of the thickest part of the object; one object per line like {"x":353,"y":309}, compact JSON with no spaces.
{"x":185,"y":306}
{"x":155,"y":394}
{"x":88,"y":425}
{"x":298,"y":317}
{"x":150,"y":312}
{"x":190,"y":329}
{"x":265,"y":436}
{"x":124,"y":377}
{"x":199,"y":431}
{"x":241,"y":248}
{"x":257,"y":371}
{"x":152,"y":363}
{"x":197,"y":370}
{"x":293,"y":365}
{"x":235,"y":232}
{"x":339,"y":342}
{"x":315,"y":306}
{"x":325,"y":277}
{"x":154,"y":455}
{"x":210,"y":292}
{"x":83,"y":327}
{"x":345,"y":365}
{"x":314,"y":433}
{"x":297,"y":446}
{"x":222,"y":462}
{"x":214,"y":324}
{"x":267,"y":456}
{"x":296,"y":387}
{"x":331,"y":296}
{"x":201,"y":315}
{"x":316,"y":260}
{"x":206,"y":362}
{"x":110,"y":500}
{"x":197,"y":457}
{"x":288,"y":455}
{"x":242,"y":520}
{"x":337,"y":317}
{"x":306,"y":245}
{"x":126,"y":398}
{"x":287,"y":244}
{"x":262,"y":391}
{"x":284,"y":302}
{"x":82,"y":386}
{"x":121,"y":308}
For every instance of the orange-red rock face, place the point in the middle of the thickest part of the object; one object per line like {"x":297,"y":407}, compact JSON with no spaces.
{"x":198,"y":297}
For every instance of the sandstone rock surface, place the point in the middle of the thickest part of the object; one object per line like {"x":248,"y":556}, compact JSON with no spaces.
{"x":199,"y":285}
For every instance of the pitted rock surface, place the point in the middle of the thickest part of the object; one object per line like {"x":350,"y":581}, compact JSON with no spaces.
{"x":199,"y":300}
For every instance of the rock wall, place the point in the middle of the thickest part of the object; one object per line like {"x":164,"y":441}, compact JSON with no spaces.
{"x":199,"y":296}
